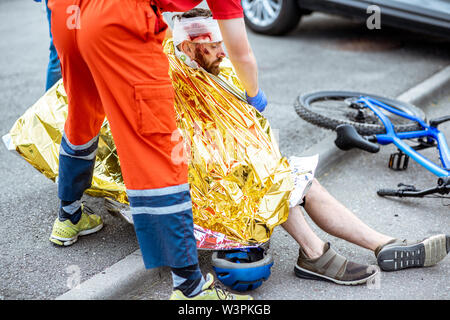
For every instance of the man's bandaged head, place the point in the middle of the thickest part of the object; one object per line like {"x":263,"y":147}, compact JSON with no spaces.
{"x":198,"y":41}
{"x":197,"y":30}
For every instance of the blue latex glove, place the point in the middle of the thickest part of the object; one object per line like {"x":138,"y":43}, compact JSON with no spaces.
{"x":37,"y":0}
{"x":259,"y":101}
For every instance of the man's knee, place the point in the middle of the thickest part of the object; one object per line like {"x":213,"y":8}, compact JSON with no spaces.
{"x":314,"y":191}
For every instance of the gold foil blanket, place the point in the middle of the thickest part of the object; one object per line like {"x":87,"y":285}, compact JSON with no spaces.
{"x":240,"y":183}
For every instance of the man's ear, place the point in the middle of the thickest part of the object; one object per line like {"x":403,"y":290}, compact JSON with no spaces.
{"x":187,"y":49}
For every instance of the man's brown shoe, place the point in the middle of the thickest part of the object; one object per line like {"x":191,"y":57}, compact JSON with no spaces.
{"x":331,"y":266}
{"x":400,"y":254}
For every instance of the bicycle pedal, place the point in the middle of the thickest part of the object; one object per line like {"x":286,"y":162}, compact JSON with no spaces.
{"x":398,"y":161}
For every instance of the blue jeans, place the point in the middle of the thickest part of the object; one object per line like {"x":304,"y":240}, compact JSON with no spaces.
{"x":54,"y":66}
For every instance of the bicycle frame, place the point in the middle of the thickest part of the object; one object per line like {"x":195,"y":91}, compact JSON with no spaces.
{"x":396,"y":138}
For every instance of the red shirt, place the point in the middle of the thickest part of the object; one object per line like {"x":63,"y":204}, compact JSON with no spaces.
{"x":221,"y":9}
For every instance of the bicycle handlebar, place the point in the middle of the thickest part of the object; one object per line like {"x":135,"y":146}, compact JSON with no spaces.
{"x":443,"y":188}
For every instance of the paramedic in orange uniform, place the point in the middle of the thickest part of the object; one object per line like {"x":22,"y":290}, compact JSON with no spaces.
{"x":113,"y":65}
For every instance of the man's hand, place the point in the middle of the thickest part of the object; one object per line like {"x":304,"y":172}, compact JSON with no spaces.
{"x":259,"y":101}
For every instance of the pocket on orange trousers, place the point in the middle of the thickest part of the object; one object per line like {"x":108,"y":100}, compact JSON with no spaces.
{"x":155,"y":107}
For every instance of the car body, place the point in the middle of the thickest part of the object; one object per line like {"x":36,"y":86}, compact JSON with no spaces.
{"x":276,"y":17}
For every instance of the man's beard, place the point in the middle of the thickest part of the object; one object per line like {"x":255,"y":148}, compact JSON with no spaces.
{"x":213,"y":67}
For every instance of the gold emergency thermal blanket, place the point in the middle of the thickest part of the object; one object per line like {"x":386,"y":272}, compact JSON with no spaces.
{"x":240,"y":184}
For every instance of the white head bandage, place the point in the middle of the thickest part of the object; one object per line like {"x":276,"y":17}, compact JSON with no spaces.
{"x":197,"y":29}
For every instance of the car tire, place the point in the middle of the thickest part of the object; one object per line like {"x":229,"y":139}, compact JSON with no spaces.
{"x":287,"y":17}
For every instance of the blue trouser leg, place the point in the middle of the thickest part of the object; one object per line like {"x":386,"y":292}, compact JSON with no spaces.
{"x":76,"y":167}
{"x":162,"y":217}
{"x":164,"y":226}
{"x":54,"y":66}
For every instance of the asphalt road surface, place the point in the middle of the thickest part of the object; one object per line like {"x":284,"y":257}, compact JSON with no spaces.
{"x":354,"y":181}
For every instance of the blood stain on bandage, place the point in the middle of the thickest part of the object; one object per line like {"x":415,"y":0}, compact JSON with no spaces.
{"x":206,"y":37}
{"x":198,"y":31}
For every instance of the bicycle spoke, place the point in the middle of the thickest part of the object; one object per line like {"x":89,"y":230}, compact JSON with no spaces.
{"x":338,"y":108}
{"x":329,"y":109}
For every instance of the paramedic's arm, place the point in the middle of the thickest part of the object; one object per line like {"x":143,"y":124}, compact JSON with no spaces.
{"x":168,"y":30}
{"x":240,"y":53}
{"x":168,"y":33}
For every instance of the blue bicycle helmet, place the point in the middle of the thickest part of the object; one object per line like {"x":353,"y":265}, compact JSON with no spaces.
{"x":242,"y":269}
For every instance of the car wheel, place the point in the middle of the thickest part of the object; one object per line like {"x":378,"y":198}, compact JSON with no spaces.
{"x":272,"y":17}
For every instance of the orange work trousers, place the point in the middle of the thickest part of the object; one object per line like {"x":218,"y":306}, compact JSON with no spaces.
{"x":113,"y":65}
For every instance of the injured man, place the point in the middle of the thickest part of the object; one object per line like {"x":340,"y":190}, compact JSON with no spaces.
{"x":241,"y":186}
{"x":317,"y":259}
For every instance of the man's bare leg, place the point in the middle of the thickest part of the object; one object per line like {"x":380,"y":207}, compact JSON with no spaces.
{"x":297,"y":226}
{"x":334,"y":218}
{"x":317,"y":260}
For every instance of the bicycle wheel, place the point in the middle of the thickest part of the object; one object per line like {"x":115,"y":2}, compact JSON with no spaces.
{"x":328,"y":109}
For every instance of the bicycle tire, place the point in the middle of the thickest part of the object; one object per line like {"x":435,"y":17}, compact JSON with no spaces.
{"x":323,"y":119}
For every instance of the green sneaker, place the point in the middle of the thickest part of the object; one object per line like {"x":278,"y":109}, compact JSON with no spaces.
{"x":65,"y":233}
{"x":211,"y":290}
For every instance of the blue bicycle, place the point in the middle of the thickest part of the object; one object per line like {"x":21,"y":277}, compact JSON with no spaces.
{"x":367,"y":121}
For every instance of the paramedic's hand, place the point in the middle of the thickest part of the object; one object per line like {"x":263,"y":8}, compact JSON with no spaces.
{"x":259,"y":101}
